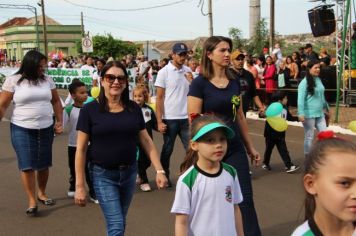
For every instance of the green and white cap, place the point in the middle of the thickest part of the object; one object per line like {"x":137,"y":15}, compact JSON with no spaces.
{"x":212,"y":126}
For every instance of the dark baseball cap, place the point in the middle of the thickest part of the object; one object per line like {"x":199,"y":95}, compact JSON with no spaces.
{"x":179,"y":48}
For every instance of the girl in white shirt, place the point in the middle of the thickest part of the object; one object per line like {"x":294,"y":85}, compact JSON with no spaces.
{"x":208,"y":192}
{"x":330,"y":185}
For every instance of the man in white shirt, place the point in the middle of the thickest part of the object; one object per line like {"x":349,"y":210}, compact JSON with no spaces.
{"x":172,"y":85}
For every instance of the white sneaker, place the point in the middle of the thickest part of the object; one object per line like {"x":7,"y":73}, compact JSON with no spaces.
{"x":145,"y":187}
{"x":292,"y":169}
{"x":71,"y":194}
{"x":94,"y":200}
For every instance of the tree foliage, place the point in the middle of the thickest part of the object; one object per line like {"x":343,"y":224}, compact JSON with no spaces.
{"x":108,"y":46}
{"x":236,"y":36}
{"x":260,"y":39}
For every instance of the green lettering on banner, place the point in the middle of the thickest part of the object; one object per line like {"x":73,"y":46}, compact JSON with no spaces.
{"x":58,"y":79}
{"x":85,"y":73}
{"x":68,"y":80}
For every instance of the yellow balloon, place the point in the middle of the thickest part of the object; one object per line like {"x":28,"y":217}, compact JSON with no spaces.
{"x":95,"y":92}
{"x":352,"y":126}
{"x":153,"y":106}
{"x":277,"y":123}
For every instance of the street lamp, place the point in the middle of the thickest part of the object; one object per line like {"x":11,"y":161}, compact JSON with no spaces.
{"x":41,"y":4}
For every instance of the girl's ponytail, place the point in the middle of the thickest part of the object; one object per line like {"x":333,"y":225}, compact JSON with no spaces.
{"x":190,"y":159}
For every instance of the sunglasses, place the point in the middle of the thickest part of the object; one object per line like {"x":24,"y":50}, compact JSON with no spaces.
{"x":111,"y":78}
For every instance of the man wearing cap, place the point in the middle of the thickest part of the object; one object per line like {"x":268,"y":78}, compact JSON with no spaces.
{"x":247,"y":82}
{"x":309,"y":54}
{"x":172,"y":85}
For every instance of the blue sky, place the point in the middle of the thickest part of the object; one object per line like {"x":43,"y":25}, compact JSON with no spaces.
{"x":180,"y":21}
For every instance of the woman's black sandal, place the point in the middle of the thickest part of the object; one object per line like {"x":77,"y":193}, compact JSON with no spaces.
{"x":47,"y":202}
{"x":32,"y":211}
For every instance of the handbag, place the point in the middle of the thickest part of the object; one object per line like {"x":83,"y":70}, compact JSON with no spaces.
{"x":281,"y":81}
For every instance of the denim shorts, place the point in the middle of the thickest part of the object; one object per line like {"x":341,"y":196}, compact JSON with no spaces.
{"x":33,"y":147}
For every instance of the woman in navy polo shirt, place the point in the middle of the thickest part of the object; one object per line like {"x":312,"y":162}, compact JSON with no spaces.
{"x":113,"y":125}
{"x":217,"y":91}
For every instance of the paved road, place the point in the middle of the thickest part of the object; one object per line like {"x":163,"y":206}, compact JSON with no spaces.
{"x":278,"y":196}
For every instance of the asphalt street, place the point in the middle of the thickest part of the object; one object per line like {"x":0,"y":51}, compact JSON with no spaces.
{"x":278,"y":195}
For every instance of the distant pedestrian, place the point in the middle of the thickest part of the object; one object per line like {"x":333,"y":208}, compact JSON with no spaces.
{"x":208,"y":191}
{"x":172,"y":85}
{"x":276,"y":138}
{"x":312,"y":105}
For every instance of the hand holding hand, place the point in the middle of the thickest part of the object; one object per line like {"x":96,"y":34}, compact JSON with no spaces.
{"x":301,"y":119}
{"x":58,"y":128}
{"x":162,"y":127}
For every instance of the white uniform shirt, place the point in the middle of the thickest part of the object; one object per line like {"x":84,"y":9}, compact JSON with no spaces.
{"x":176,"y":87}
{"x":208,"y":200}
{"x":70,"y":120}
{"x":32,"y":103}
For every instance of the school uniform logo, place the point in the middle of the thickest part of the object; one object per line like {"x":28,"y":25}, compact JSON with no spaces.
{"x":228,"y":194}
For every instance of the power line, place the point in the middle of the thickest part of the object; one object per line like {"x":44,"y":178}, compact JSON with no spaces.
{"x":129,"y":9}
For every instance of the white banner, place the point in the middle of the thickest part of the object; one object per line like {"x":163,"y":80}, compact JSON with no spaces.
{"x":63,"y":77}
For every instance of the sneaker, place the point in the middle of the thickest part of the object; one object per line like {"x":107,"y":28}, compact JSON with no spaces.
{"x":145,"y":187}
{"x":292,"y":169}
{"x":71,"y":194}
{"x":266,"y":167}
{"x":94,"y":200}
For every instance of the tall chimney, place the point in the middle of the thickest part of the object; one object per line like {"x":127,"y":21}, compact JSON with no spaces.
{"x":255,"y":15}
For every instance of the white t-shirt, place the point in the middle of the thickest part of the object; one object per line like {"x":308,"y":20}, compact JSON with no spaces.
{"x":70,"y":120}
{"x":90,"y":68}
{"x":32,"y":103}
{"x":208,"y":200}
{"x":309,"y":230}
{"x":176,"y":87}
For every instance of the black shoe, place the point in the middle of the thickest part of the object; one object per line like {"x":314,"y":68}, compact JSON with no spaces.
{"x":169,"y":184}
{"x":47,"y":202}
{"x":32,"y":211}
{"x":266,"y":167}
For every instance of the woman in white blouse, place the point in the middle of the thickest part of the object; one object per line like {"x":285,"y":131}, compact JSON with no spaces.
{"x":35,"y":98}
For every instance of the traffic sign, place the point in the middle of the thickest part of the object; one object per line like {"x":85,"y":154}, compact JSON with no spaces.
{"x":87,"y":44}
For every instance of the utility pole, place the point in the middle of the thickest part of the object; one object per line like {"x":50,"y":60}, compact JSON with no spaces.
{"x":44,"y":28}
{"x":210,"y":15}
{"x":82,"y":23}
{"x":255,"y":16}
{"x":271,"y":26}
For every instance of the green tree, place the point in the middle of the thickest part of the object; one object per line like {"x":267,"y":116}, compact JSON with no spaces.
{"x":108,"y":46}
{"x":260,"y":39}
{"x":236,"y":36}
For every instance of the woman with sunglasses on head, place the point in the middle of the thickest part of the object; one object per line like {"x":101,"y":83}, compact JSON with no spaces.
{"x":217,"y":91}
{"x":113,"y":125}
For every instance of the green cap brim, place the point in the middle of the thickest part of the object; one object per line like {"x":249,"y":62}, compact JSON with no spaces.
{"x":212,"y":126}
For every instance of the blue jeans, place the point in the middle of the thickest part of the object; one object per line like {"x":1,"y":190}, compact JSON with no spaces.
{"x":114,"y":189}
{"x":174,"y":127}
{"x":309,"y":124}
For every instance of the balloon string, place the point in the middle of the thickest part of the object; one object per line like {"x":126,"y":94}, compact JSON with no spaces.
{"x":234,"y":111}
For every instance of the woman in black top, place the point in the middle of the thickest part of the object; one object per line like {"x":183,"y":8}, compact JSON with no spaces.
{"x":113,"y":125}
{"x":217,"y":91}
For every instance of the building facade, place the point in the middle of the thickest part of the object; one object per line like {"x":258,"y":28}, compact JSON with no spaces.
{"x":19,"y":36}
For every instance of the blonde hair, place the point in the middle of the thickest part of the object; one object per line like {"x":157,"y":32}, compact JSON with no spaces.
{"x":141,"y":88}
